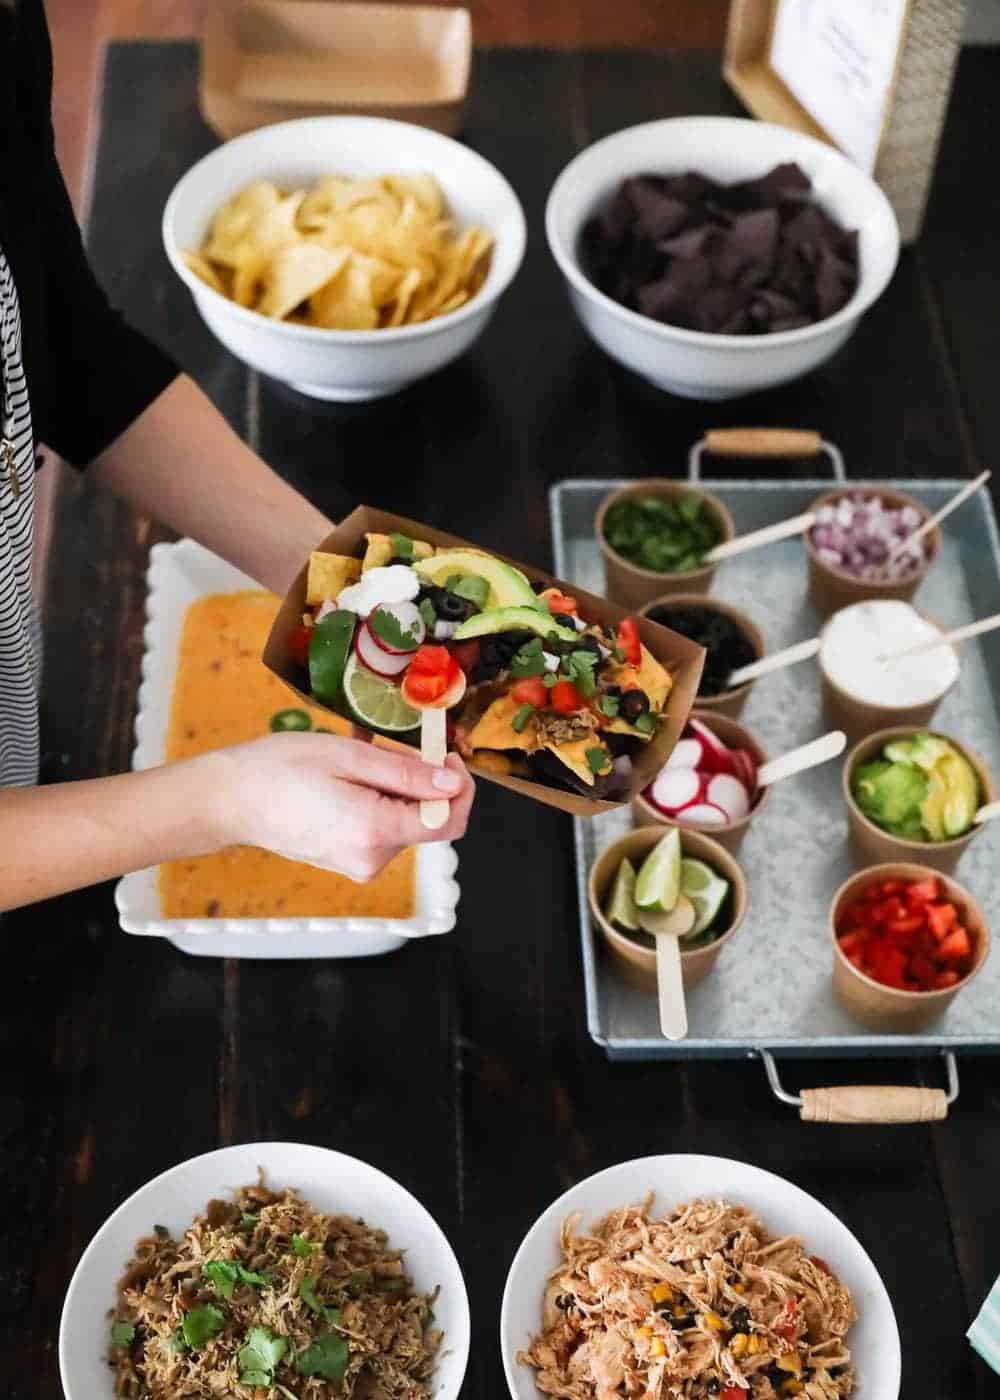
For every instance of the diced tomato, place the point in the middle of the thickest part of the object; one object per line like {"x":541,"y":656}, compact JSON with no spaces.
{"x":858,"y":959}
{"x":565,"y":699}
{"x":425,"y":686}
{"x":466,"y":654}
{"x":789,"y":1326}
{"x":852,"y":941}
{"x":820,"y":1263}
{"x":530,"y":691}
{"x":922,"y":971}
{"x":733,"y":1392}
{"x":905,"y":927}
{"x":947,"y":978}
{"x":941,"y":919}
{"x":888,"y":965}
{"x":956,"y":947}
{"x":892,"y":887}
{"x":559,"y":602}
{"x":628,"y":641}
{"x":431,"y":660}
{"x":298,"y":644}
{"x":924,"y":890}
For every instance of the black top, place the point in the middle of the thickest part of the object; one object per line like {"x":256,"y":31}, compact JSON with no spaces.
{"x":89,"y":373}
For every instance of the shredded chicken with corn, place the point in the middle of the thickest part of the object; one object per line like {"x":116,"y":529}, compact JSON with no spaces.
{"x":700,"y":1304}
{"x":265,"y":1297}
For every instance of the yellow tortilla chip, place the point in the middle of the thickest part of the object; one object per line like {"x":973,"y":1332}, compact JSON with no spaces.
{"x":495,"y":729}
{"x":202,"y":268}
{"x":328,"y":574}
{"x":574,"y":755}
{"x":649,"y":676}
{"x":380,"y":549}
{"x":294,"y":273}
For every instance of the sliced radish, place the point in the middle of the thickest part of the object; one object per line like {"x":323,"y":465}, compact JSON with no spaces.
{"x":383,"y":663}
{"x":729,"y":793}
{"x":687,"y":754}
{"x":745,"y":769}
{"x":702,"y":814}
{"x":673,"y":789}
{"x":407,"y":615}
{"x":717,"y":758}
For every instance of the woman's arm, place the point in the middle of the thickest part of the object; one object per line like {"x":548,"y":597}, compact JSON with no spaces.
{"x":181,"y":462}
{"x":310,"y":797}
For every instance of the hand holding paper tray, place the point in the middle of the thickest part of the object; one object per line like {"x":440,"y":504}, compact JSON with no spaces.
{"x":568,"y":700}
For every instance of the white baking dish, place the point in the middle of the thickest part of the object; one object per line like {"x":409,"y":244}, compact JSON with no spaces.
{"x":178,"y":574}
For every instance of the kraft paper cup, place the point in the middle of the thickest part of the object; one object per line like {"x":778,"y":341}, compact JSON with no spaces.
{"x":882,"y":1008}
{"x":830,"y":588}
{"x":631,"y":585}
{"x":871,"y":845}
{"x":859,"y":718}
{"x":734,"y":736}
{"x":637,"y":959}
{"x":727,"y":702}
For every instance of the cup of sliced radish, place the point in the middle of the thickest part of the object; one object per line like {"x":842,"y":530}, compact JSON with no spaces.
{"x":722,"y":888}
{"x":709,"y":783}
{"x":855,"y":528}
{"x":906,"y":941}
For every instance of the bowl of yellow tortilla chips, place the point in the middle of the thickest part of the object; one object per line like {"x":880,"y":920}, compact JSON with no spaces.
{"x":345,"y":256}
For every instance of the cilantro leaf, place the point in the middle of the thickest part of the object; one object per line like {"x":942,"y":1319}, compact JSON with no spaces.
{"x":609,"y":705}
{"x":473,"y":589}
{"x":597,"y":759}
{"x":579,"y":668}
{"x":388,"y":629}
{"x":309,"y":1296}
{"x":521,"y":718}
{"x":225,"y":1274}
{"x":327,"y":1357}
{"x":248,"y":1223}
{"x":401,"y":545}
{"x":426,"y":610}
{"x":122,"y":1334}
{"x":646,"y":723}
{"x":259,"y":1355}
{"x":302,"y":1247}
{"x":201,"y":1324}
{"x":528,"y":660}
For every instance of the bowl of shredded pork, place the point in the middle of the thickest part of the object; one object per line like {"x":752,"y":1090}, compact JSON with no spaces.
{"x":695,"y":1278}
{"x":308,"y":1276}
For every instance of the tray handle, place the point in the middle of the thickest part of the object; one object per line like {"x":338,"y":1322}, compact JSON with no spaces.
{"x":763,"y":442}
{"x":868,"y":1103}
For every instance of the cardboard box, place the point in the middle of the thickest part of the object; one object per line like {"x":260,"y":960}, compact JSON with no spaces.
{"x":265,"y":61}
{"x":682,"y":657}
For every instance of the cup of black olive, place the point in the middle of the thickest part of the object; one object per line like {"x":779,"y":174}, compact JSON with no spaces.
{"x":730,"y":638}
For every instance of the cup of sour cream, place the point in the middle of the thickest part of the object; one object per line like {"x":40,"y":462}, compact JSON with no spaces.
{"x":861,"y":691}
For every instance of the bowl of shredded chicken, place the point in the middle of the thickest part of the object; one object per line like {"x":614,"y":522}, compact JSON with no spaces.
{"x":696,"y":1295}
{"x":269,"y":1289}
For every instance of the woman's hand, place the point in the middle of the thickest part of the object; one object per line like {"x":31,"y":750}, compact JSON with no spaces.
{"x":336,"y":803}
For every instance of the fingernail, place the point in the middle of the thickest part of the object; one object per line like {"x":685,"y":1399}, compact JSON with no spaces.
{"x":446,"y":780}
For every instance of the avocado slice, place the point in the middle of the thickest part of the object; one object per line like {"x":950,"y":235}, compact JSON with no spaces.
{"x":488,"y":624}
{"x":926,"y":750}
{"x":952,"y":796}
{"x":508,"y":587}
{"x":891,"y":792}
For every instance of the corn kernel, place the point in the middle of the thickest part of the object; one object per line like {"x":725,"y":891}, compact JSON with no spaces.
{"x":657,"y":1347}
{"x":644,"y":1331}
{"x":714,"y":1321}
{"x":789,"y":1361}
{"x":791,"y":1386}
{"x":755,"y":1344}
{"x":662,"y":1292}
{"x":739,"y":1343}
{"x":739,"y":1288}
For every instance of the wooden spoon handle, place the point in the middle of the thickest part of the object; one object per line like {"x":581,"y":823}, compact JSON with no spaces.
{"x":763,"y":442}
{"x":670,"y":987}
{"x":433,"y":747}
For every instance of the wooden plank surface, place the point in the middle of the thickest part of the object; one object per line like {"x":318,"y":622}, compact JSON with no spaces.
{"x":461,"y":1066}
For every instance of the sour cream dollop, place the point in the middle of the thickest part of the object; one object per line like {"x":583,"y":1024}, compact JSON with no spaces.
{"x":855,"y":639}
{"x":395,"y":583}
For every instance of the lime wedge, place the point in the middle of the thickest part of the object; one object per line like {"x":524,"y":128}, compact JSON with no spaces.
{"x":706,"y":891}
{"x":659,"y":880}
{"x":376,"y":702}
{"x":620,"y":908}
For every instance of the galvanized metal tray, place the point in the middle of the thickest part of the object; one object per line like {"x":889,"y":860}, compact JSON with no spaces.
{"x":771,"y":992}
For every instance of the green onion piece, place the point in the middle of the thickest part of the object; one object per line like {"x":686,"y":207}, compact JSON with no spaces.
{"x":521,"y":718}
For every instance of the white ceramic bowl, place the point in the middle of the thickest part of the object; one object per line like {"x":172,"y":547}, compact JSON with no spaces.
{"x":329,"y":1180}
{"x":783,"y":1208}
{"x":345,"y":365}
{"x":177,"y":575}
{"x":696,"y":364}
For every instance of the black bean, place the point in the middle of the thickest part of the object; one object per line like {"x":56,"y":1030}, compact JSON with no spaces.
{"x":740,"y":1320}
{"x":680,"y":1323}
{"x":714,"y":1385}
{"x":633,"y":704}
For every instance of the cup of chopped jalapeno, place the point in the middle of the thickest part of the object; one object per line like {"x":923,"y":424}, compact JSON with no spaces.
{"x":654,"y":536}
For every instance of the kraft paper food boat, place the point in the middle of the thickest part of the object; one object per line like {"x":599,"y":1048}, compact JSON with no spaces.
{"x":683,"y":658}
{"x":267,"y":61}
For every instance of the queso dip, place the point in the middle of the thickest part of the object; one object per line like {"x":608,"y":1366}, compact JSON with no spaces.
{"x":223,"y":694}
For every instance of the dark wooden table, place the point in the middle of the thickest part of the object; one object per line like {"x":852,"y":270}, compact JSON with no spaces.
{"x":462,"y":1065}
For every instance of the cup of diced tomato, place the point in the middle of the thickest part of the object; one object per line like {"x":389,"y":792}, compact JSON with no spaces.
{"x":906,"y":941}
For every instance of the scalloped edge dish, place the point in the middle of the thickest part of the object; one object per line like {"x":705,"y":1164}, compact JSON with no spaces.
{"x":177,"y":575}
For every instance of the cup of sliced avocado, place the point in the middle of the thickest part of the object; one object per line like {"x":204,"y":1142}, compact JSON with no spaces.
{"x":912,"y":794}
{"x":703,"y":872}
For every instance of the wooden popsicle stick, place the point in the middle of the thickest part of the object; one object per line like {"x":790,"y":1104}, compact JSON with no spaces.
{"x":958,"y":499}
{"x":667,"y":929}
{"x":987,"y":813}
{"x":768,"y":534}
{"x":806,"y":756}
{"x":433,"y":747}
{"x":777,"y":661}
{"x":957,"y":634}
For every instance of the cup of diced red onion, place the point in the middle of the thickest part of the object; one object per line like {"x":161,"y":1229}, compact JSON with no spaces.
{"x":856,"y":529}
{"x":709,"y":783}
